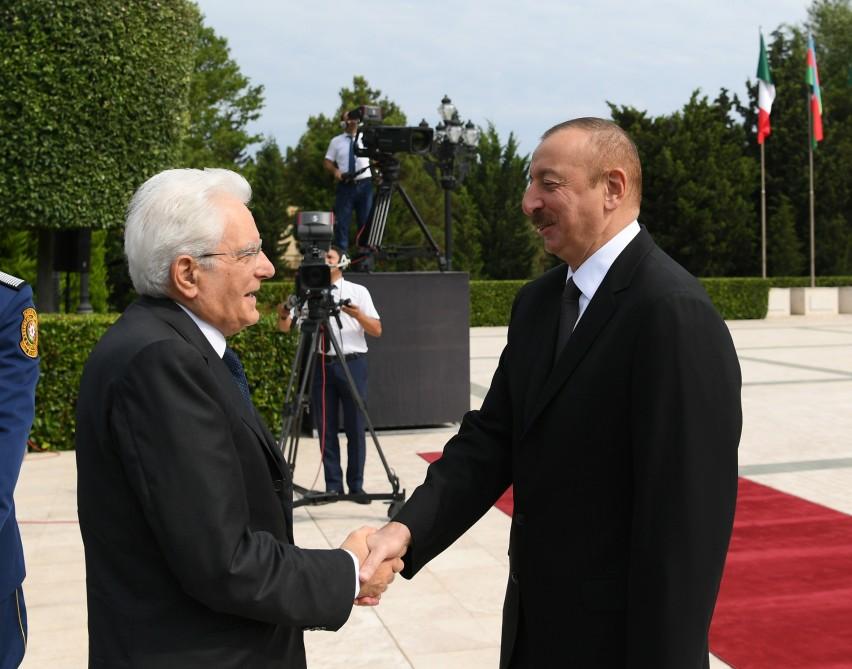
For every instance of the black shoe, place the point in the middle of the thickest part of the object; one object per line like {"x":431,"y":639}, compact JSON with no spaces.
{"x":363,"y":500}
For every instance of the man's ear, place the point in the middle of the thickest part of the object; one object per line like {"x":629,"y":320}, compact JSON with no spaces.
{"x":615,"y":181}
{"x":184,"y":272}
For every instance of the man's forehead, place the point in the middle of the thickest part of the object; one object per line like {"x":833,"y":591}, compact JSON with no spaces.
{"x":564,"y":148}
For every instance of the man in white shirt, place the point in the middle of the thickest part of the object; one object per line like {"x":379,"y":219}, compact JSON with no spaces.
{"x":330,"y":388}
{"x":352,"y":175}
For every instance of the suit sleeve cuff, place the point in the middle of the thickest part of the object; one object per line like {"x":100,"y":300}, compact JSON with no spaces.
{"x":357,"y":569}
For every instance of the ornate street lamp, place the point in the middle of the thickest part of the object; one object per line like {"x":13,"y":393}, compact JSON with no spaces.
{"x":454,"y":147}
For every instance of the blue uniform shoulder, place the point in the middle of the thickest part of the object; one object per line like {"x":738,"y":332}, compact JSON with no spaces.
{"x":9,"y":281}
{"x":18,"y":320}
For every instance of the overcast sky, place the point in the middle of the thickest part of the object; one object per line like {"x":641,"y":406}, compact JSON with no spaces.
{"x":522,"y":65}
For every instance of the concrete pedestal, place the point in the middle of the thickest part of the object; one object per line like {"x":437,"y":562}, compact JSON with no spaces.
{"x":814,"y":301}
{"x":779,"y":302}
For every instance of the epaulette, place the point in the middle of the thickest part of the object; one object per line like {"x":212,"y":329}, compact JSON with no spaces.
{"x":10,"y":281}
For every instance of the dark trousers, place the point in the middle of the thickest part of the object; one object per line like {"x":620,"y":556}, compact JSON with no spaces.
{"x":13,"y":630}
{"x":356,"y":196}
{"x":337,"y":394}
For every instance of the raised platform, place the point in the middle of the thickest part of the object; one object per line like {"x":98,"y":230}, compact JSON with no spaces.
{"x":420,"y":366}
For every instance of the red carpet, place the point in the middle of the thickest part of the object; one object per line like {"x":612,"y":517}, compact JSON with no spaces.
{"x":507,"y":500}
{"x":786,"y":595}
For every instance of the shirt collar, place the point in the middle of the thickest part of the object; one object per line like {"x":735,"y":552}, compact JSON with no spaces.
{"x":216,"y":338}
{"x":591,"y":273}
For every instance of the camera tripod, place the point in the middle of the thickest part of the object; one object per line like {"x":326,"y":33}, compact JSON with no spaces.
{"x":388,"y":168}
{"x":320,"y":310}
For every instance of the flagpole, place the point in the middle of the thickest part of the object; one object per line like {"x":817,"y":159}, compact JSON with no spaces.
{"x":762,"y":211}
{"x":811,"y":191}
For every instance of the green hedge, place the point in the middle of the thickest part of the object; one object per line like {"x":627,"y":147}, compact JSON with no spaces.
{"x":805,"y":281}
{"x":65,"y":342}
{"x":737,"y":299}
{"x":271,"y":293}
{"x":491,"y":301}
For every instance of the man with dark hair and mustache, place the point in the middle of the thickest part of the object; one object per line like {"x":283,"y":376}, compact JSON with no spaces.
{"x":615,"y":412}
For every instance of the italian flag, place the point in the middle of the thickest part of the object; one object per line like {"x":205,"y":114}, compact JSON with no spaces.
{"x":812,"y":78}
{"x":765,"y":94}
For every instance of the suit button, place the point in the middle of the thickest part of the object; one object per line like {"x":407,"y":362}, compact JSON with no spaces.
{"x":514,"y":577}
{"x":520,"y":519}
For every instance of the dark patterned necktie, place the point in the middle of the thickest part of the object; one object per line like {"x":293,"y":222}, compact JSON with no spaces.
{"x":568,"y":314}
{"x":352,"y":157}
{"x":232,"y":362}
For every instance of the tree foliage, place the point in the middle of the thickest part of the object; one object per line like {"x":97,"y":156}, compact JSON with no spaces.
{"x":698,"y":184}
{"x":269,"y":200}
{"x":92,"y":96}
{"x":221,"y":104}
{"x":496,"y":185}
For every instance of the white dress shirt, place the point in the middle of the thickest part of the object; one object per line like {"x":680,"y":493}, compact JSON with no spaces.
{"x":591,"y":273}
{"x":338,"y":152}
{"x":350,"y":335}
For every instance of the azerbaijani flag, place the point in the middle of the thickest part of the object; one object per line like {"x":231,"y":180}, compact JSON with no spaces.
{"x":812,"y":79}
{"x":765,"y":94}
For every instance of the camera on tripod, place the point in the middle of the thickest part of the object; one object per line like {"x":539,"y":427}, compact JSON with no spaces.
{"x":380,"y":143}
{"x":314,"y":232}
{"x":383,"y":140}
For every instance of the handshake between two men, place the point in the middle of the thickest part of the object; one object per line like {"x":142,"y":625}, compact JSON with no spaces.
{"x":379,"y":554}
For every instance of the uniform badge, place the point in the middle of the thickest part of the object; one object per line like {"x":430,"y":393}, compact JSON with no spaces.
{"x":29,"y":332}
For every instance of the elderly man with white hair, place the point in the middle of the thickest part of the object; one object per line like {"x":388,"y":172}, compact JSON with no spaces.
{"x":185,"y":501}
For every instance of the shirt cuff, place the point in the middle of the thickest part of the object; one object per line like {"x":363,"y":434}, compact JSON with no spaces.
{"x":357,"y":569}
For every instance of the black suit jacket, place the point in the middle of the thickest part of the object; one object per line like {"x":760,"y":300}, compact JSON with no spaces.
{"x":623,"y":454}
{"x":185,"y":511}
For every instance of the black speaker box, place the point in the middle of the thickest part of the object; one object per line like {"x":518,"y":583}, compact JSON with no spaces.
{"x":71,"y":250}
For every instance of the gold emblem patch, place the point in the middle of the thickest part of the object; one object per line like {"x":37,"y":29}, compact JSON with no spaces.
{"x":29,"y":332}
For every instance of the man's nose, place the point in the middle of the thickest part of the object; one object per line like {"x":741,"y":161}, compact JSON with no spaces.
{"x":530,"y":202}
{"x":265,"y":269}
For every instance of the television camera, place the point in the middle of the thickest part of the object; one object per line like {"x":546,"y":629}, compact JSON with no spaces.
{"x":380,"y":143}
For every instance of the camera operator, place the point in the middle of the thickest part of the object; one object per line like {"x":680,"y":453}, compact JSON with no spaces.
{"x":352,"y":174}
{"x":358,"y":317}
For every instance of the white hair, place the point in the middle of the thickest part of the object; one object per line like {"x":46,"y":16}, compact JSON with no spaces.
{"x":175,"y":213}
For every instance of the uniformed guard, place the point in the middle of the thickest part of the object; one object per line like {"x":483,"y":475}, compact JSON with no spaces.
{"x":18,"y":378}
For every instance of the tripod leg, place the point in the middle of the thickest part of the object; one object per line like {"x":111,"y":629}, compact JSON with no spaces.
{"x":301,"y":379}
{"x":379,"y":217}
{"x":353,"y":389}
{"x":442,"y":262}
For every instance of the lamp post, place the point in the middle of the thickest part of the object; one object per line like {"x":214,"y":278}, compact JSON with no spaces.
{"x":454,"y":147}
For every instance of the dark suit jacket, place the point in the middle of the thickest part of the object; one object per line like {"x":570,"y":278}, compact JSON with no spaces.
{"x":185,"y":511}
{"x":623,"y":455}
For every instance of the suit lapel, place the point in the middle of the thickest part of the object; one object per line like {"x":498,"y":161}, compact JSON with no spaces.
{"x":543,"y":340}
{"x":172,"y":314}
{"x":597,"y":314}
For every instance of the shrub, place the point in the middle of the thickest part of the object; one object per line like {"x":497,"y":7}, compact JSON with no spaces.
{"x":65,"y":342}
{"x":491,"y":301}
{"x":739,"y":298}
{"x":805,"y":281}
